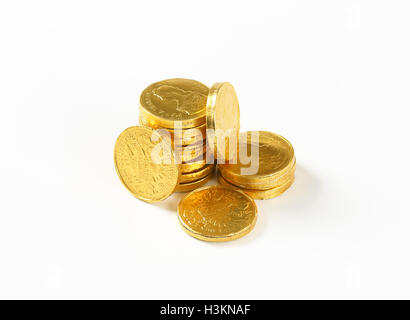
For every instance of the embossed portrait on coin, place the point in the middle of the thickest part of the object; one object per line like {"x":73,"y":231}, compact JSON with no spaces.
{"x":184,"y":101}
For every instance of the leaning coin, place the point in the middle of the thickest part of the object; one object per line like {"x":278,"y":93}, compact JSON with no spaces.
{"x":148,"y":178}
{"x":217,"y":213}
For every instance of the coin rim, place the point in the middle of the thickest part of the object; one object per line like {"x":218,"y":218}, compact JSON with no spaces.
{"x":190,"y":156}
{"x":145,"y":121}
{"x":188,"y":139}
{"x":200,"y":161}
{"x":208,"y":169}
{"x":259,"y":194}
{"x":262,"y":185}
{"x":194,"y":184}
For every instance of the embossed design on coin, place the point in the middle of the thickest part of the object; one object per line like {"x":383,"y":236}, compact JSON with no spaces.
{"x":146,"y":179}
{"x":188,"y":102}
{"x":173,"y":100}
{"x":217,"y":213}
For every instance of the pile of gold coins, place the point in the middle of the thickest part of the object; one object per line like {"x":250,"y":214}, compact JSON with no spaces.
{"x":185,"y":128}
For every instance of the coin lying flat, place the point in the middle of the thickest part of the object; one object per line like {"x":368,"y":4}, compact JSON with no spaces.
{"x":145,"y":177}
{"x":222,"y":121}
{"x":196,"y":175}
{"x":173,"y":100}
{"x":274,"y":159}
{"x":189,"y":186}
{"x":217,"y":213}
{"x":260,"y":194}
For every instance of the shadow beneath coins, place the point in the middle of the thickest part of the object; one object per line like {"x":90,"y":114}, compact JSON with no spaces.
{"x":294,"y":201}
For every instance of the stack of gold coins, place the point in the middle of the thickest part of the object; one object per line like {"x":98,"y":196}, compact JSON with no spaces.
{"x":267,"y":172}
{"x":177,"y":108}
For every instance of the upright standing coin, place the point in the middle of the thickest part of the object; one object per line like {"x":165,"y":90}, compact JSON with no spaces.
{"x":171,"y":100}
{"x":222,"y":121}
{"x":147,"y":178}
{"x":217,"y":213}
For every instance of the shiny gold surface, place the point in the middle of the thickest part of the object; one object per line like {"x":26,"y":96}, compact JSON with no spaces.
{"x":145,"y":179}
{"x":263,"y":185}
{"x":217,"y":213}
{"x":276,"y":159}
{"x":190,"y":153}
{"x":180,"y":137}
{"x":223,"y":120}
{"x":196,"y":175}
{"x":260,"y":194}
{"x":173,"y":100}
{"x":194,"y":165}
{"x":185,"y":187}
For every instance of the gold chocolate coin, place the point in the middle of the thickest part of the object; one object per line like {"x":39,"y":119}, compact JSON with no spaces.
{"x":147,"y":178}
{"x":271,"y":159}
{"x":222,"y":121}
{"x":173,"y":100}
{"x":217,"y":213}
{"x":260,"y":194}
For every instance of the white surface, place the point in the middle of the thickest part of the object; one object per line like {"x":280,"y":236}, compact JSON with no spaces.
{"x":331,"y":76}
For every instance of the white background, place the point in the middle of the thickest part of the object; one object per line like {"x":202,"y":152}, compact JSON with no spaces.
{"x":331,"y":76}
